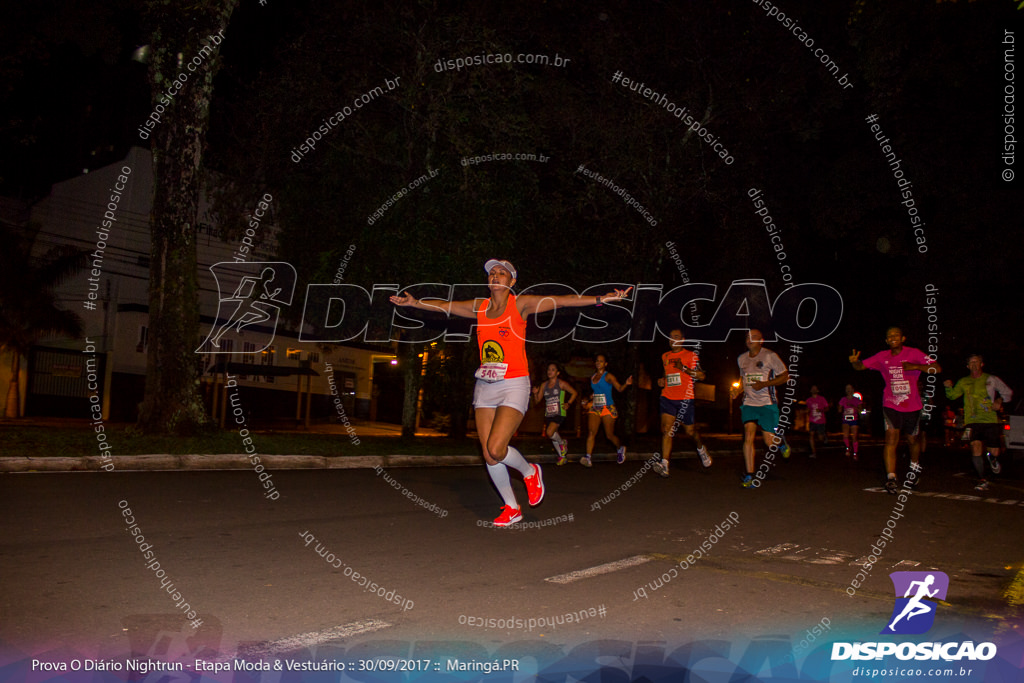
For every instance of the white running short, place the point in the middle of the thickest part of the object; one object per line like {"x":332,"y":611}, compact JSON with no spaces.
{"x":514,"y":393}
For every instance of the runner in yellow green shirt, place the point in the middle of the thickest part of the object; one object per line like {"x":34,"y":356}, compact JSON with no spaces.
{"x":984,"y":395}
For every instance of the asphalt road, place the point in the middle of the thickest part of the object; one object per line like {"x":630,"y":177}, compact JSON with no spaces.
{"x":74,"y":579}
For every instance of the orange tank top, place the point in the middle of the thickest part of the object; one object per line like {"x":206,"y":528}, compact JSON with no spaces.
{"x":503,"y":339}
{"x":678,"y":384}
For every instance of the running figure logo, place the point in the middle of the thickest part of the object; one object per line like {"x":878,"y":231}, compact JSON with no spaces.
{"x":914,"y":614}
{"x":255,"y":300}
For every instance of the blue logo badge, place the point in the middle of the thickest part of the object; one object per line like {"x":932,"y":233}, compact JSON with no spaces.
{"x":916,"y":593}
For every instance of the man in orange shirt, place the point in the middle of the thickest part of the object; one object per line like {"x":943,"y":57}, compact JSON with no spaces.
{"x":682,"y":366}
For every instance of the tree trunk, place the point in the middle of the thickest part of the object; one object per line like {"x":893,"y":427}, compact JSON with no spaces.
{"x":13,"y":408}
{"x":412,"y":367}
{"x":461,"y":388}
{"x":172,"y":403}
{"x":633,"y":363}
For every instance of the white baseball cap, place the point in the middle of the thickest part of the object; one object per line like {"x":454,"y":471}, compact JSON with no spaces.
{"x":504,"y":264}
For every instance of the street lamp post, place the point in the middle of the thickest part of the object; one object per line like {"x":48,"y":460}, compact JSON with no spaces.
{"x":732,"y":399}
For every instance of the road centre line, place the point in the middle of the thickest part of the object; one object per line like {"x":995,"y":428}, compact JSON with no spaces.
{"x":308,"y":640}
{"x":795,"y":552}
{"x":606,"y":568}
{"x":953,"y":496}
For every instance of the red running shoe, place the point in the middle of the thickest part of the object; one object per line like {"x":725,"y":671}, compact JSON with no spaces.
{"x":509,"y":516}
{"x":534,"y":486}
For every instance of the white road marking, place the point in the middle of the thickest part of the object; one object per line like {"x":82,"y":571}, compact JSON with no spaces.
{"x":865,"y":560}
{"x":957,"y":496}
{"x":800,"y":555}
{"x":831,"y":557}
{"x":821,"y":556}
{"x":308,"y":640}
{"x":777,"y":549}
{"x":599,"y":569}
{"x":905,"y":564}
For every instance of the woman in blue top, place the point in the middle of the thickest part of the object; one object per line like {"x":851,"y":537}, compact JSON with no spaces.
{"x":602,"y":409}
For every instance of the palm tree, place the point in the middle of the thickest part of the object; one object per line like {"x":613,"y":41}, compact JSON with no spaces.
{"x":28,"y":305}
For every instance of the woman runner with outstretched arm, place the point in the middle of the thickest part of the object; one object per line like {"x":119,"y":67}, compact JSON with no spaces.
{"x":502,"y":393}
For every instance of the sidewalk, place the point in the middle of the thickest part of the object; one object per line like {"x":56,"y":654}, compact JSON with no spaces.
{"x":719,"y":446}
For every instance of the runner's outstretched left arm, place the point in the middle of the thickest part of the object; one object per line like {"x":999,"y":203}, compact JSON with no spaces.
{"x":530,"y":304}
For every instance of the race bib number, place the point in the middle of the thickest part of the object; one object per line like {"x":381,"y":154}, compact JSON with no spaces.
{"x":754,"y":377}
{"x":599,"y":401}
{"x":849,"y":417}
{"x":899,"y":388}
{"x":492,"y":372}
{"x":673,"y":379}
{"x":551,"y":405}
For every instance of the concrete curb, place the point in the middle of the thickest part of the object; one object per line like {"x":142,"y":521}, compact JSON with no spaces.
{"x":240,"y":461}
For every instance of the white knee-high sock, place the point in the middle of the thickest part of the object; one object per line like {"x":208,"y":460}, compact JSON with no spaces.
{"x":499,"y":475}
{"x":515,"y":460}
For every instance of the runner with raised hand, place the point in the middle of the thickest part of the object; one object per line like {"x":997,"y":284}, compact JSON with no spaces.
{"x":901,"y":402}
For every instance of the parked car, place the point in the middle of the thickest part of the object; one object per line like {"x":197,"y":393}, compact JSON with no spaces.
{"x":1013,"y":427}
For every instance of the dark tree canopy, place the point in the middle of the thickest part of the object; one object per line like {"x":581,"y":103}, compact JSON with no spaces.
{"x":929,"y":70}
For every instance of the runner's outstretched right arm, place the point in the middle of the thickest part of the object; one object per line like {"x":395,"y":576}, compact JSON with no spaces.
{"x":462,"y":309}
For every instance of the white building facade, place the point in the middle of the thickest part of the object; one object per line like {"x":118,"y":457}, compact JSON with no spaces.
{"x":106,"y":212}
